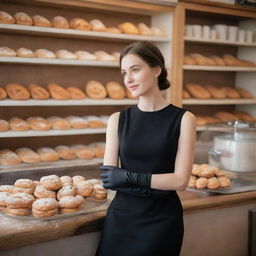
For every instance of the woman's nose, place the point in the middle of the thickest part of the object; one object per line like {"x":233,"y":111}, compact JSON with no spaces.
{"x":129,"y":78}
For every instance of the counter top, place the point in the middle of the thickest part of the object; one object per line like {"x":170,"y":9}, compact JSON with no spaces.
{"x":16,"y":233}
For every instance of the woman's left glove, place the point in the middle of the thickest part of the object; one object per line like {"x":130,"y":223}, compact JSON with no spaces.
{"x":114,"y":177}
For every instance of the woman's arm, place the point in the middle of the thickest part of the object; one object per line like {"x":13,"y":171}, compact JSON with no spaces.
{"x":184,"y":158}
{"x":112,"y":141}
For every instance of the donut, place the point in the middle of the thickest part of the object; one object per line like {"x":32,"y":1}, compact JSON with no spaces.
{"x":67,"y":190}
{"x":17,"y":91}
{"x":95,"y":90}
{"x":24,"y":183}
{"x":51,"y":182}
{"x":6,"y":188}
{"x":45,"y":204}
{"x":42,"y":192}
{"x":84,"y":188}
{"x":71,"y":202}
{"x":3,"y":196}
{"x":19,"y":200}
{"x":66,"y":180}
{"x":78,"y":178}
{"x":18,"y":211}
{"x":100,"y":193}
{"x":44,"y":214}
{"x":28,"y":191}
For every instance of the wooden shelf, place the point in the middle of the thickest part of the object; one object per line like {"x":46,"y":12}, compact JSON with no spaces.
{"x":221,"y":42}
{"x":72,"y":33}
{"x":60,"y":62}
{"x":218,"y":101}
{"x":31,"y":133}
{"x":85,"y":102}
{"x":219,"y":68}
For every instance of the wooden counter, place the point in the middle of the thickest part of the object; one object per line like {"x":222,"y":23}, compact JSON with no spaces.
{"x":16,"y":233}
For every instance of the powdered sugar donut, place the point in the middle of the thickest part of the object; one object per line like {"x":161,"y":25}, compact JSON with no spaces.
{"x":71,"y":202}
{"x":84,"y":188}
{"x":66,"y":191}
{"x":45,"y":204}
{"x":24,"y":183}
{"x":19,"y":200}
{"x":51,"y":182}
{"x":6,"y":188}
{"x":66,"y":180}
{"x":42,"y":192}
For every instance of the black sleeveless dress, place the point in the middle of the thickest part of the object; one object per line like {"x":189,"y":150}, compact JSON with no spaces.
{"x":145,"y":226}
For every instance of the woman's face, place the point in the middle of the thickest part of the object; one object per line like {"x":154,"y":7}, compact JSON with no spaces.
{"x":138,"y":76}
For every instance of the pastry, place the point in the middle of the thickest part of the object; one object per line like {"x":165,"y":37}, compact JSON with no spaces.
{"x":6,"y":188}
{"x":3,"y":196}
{"x":230,"y":60}
{"x":244,"y":116}
{"x":185,"y":94}
{"x":102,"y":55}
{"x":18,"y":124}
{"x":219,"y":173}
{"x":65,"y":54}
{"x":19,"y":200}
{"x":95,"y":90}
{"x":211,"y":119}
{"x":157,"y":31}
{"x":83,"y":152}
{"x":38,"y":123}
{"x":77,"y":178}
{"x":18,"y":212}
{"x":48,"y":154}
{"x":94,"y":122}
{"x":84,"y":188}
{"x":97,"y":25}
{"x":225,"y":116}
{"x":45,"y":204}
{"x":6,"y":18}
{"x":44,"y":214}
{"x":99,"y":149}
{"x":210,"y":61}
{"x":77,"y":122}
{"x":201,"y":183}
{"x":84,"y":55}
{"x":51,"y":182}
{"x":94,"y":181}
{"x":76,"y":93}
{"x":207,"y":171}
{"x":144,"y":29}
{"x":113,"y":30}
{"x":201,"y":120}
{"x":128,"y":28}
{"x":196,"y":169}
{"x":57,"y":92}
{"x":100,"y":193}
{"x":45,"y":54}
{"x":28,"y":191}
{"x":17,"y":91}
{"x":7,"y":52}
{"x":213,"y":183}
{"x":59,"y":123}
{"x":224,"y":181}
{"x":199,"y":59}
{"x":230,"y":92}
{"x":218,"y":60}
{"x":37,"y":92}
{"x":215,"y":92}
{"x":66,"y":180}
{"x":65,"y":152}
{"x":8,"y":157}
{"x":42,"y":192}
{"x":22,"y":18}
{"x":67,"y":190}
{"x":115,"y":90}
{"x":188,"y":60}
{"x":198,"y":91}
{"x":4,"y":125}
{"x":60,"y":22}
{"x":3,"y":94}
{"x":71,"y":202}
{"x":80,"y":24}
{"x":25,"y":53}
{"x":41,"y":21}
{"x":27,"y":155}
{"x":244,"y":94}
{"x":104,"y":119}
{"x":192,"y":181}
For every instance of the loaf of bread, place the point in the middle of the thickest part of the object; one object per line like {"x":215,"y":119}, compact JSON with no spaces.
{"x":22,"y":18}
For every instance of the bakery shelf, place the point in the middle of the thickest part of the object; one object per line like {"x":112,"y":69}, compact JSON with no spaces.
{"x":61,"y":62}
{"x":47,"y":165}
{"x":218,"y":101}
{"x":72,"y":33}
{"x":221,"y":42}
{"x":32,"y":133}
{"x":218,"y":68}
{"x":51,"y":102}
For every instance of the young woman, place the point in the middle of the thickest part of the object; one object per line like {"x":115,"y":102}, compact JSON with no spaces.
{"x":155,"y":143}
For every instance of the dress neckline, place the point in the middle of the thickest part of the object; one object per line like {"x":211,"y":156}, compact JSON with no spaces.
{"x":156,"y":111}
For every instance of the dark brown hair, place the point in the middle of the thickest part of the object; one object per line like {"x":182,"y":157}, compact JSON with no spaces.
{"x":152,"y":56}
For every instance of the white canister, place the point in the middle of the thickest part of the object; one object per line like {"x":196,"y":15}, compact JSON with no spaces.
{"x":232,"y":33}
{"x":241,"y":36}
{"x":213,"y":34}
{"x":249,"y":36}
{"x":206,"y":32}
{"x":188,"y":30}
{"x":197,"y":31}
{"x":221,"y":31}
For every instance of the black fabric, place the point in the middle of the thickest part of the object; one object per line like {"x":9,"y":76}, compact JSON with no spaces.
{"x":152,"y":225}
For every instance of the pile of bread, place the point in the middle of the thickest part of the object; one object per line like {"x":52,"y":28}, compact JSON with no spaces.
{"x":22,"y":18}
{"x":37,"y":123}
{"x":224,"y":116}
{"x":47,"y":154}
{"x":92,"y":89}
{"x":213,"y":60}
{"x":205,"y":176}
{"x":209,"y":91}
{"x":60,"y":54}
{"x":49,"y":196}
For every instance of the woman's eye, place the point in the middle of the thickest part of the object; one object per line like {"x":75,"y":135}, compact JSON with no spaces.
{"x":123,"y":73}
{"x":135,"y":70}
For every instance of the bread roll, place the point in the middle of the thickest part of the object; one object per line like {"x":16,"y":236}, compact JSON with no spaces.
{"x":18,"y":124}
{"x":76,"y":93}
{"x":185,"y":94}
{"x":7,"y":52}
{"x":230,"y":92}
{"x":97,"y":25}
{"x":25,"y":53}
{"x":218,"y":60}
{"x":128,"y":28}
{"x":77,"y":122}
{"x":83,"y":152}
{"x":80,"y":24}
{"x":102,"y":55}
{"x":57,"y":92}
{"x":4,"y":125}
{"x":115,"y":90}
{"x":99,"y":148}
{"x":225,"y":116}
{"x":59,"y":123}
{"x":95,"y":90}
{"x":3,"y":94}
{"x":198,"y":91}
{"x":113,"y":30}
{"x":23,"y":19}
{"x":60,"y":22}
{"x":215,"y":92}
{"x":200,"y":120}
{"x":84,"y":55}
{"x":8,"y":157}
{"x":65,"y":54}
{"x":94,"y":121}
{"x":38,"y":123}
{"x":45,"y":54}
{"x":27,"y":155}
{"x":48,"y":154}
{"x":188,"y":60}
{"x":17,"y":91}
{"x":244,"y":116}
{"x":37,"y":92}
{"x":244,"y":94}
{"x":41,"y":21}
{"x":144,"y":29}
{"x":157,"y":32}
{"x":65,"y":152}
{"x":199,"y":59}
{"x":6,"y":18}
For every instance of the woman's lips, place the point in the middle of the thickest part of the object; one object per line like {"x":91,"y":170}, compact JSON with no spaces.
{"x":133,"y":87}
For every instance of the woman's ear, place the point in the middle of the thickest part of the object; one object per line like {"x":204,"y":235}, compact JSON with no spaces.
{"x":157,"y":71}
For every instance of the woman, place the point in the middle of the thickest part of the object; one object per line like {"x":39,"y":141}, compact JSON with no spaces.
{"x":155,"y":143}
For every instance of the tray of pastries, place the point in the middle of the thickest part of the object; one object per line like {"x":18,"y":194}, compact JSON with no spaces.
{"x":52,"y":197}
